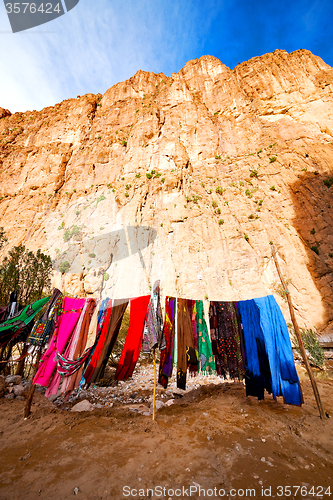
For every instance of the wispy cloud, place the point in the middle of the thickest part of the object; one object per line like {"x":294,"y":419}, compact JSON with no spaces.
{"x":94,"y":46}
{"x":100,"y":43}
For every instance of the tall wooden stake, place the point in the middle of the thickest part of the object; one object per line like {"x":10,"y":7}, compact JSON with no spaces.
{"x":154,"y":396}
{"x":299,"y":336}
{"x":27,"y":408}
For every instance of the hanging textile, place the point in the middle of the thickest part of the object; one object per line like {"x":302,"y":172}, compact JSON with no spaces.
{"x":44,"y":327}
{"x":92,"y":331}
{"x":131,"y":350}
{"x":68,"y":367}
{"x":226,"y":336}
{"x":76,"y":347}
{"x":257,"y":374}
{"x":70,"y":313}
{"x":11,"y":328}
{"x":266,"y":329}
{"x":153,"y":328}
{"x":113,"y":323}
{"x":90,"y":362}
{"x":206,"y":358}
{"x":192,"y":352}
{"x":184,"y":341}
{"x":101,"y":334}
{"x":165,"y":368}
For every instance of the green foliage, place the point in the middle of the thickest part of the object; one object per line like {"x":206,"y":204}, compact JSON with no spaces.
{"x":246,"y":237}
{"x":248,"y":193}
{"x":64,"y":267}
{"x":138,"y":176}
{"x":218,"y":157}
{"x":149,"y":175}
{"x":74,"y":232}
{"x":272,"y":188}
{"x":27,"y":272}
{"x":92,"y":255}
{"x":128,"y":186}
{"x":62,"y":226}
{"x":313,"y":231}
{"x":220,"y":190}
{"x":124,"y":143}
{"x":3,"y":237}
{"x":311,"y":344}
{"x":214,"y":204}
{"x":126,"y":194}
{"x":277,"y":286}
{"x":241,"y":183}
{"x":315,"y":249}
{"x":163,"y":180}
{"x":100,"y":198}
{"x":328,"y":182}
{"x":254,"y":173}
{"x":330,"y":254}
{"x":221,"y":221}
{"x":106,"y":276}
{"x":272,"y":159}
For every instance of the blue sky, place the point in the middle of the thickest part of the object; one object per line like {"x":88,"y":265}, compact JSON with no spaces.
{"x":102,"y":42}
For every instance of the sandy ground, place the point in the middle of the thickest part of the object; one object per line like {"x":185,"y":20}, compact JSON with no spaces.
{"x":212,"y":437}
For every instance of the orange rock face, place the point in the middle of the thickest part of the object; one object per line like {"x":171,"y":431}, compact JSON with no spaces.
{"x":235,"y":159}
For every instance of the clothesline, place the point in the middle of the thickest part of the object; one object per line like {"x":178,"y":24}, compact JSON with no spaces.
{"x":248,"y":340}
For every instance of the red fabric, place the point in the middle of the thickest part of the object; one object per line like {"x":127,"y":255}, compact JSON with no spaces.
{"x":98,"y":349}
{"x":131,"y":350}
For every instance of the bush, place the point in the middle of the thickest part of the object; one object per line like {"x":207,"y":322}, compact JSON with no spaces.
{"x":64,"y":267}
{"x":254,"y":173}
{"x":315,"y":249}
{"x":214,"y":204}
{"x":221,"y":221}
{"x":27,"y":272}
{"x":219,"y":190}
{"x":138,"y":176}
{"x":312,"y":346}
{"x":246,"y":237}
{"x":149,"y":176}
{"x":328,"y":182}
{"x":272,"y":159}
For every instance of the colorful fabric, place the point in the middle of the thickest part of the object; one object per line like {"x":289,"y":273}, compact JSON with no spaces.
{"x":206,"y":358}
{"x":165,"y":368}
{"x":68,"y":367}
{"x":100,"y":341}
{"x":268,"y":352}
{"x":184,"y":341}
{"x":76,"y":346}
{"x":153,"y":328}
{"x":133,"y":342}
{"x":44,"y":327}
{"x":226,"y":336}
{"x":62,"y":333}
{"x":11,"y":328}
{"x":113,"y":326}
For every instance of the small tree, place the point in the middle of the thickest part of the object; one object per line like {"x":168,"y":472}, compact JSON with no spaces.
{"x":27,"y":272}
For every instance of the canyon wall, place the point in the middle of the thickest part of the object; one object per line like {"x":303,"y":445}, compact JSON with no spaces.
{"x":185,"y":179}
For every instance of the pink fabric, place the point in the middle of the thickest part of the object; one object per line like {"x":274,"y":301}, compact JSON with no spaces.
{"x":64,"y":329}
{"x":69,"y":352}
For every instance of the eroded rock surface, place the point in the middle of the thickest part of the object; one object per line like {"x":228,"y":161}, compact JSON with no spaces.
{"x":235,"y":159}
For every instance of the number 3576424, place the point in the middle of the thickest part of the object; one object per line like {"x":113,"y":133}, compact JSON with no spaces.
{"x":31,"y":8}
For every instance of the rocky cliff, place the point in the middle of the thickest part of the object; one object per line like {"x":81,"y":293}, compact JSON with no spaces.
{"x":184,"y":178}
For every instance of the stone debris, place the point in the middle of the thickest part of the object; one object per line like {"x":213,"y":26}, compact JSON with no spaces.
{"x":13,"y":379}
{"x":136,"y":393}
{"x":18,"y":390}
{"x":83,"y":406}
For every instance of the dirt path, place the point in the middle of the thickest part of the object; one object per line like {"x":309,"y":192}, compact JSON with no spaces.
{"x":212,"y":437}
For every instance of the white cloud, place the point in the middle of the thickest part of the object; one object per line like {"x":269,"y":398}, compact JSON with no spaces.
{"x":94,"y":46}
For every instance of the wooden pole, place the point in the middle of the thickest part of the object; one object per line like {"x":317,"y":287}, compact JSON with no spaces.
{"x":299,"y":336}
{"x":27,"y":408}
{"x":154,"y":396}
